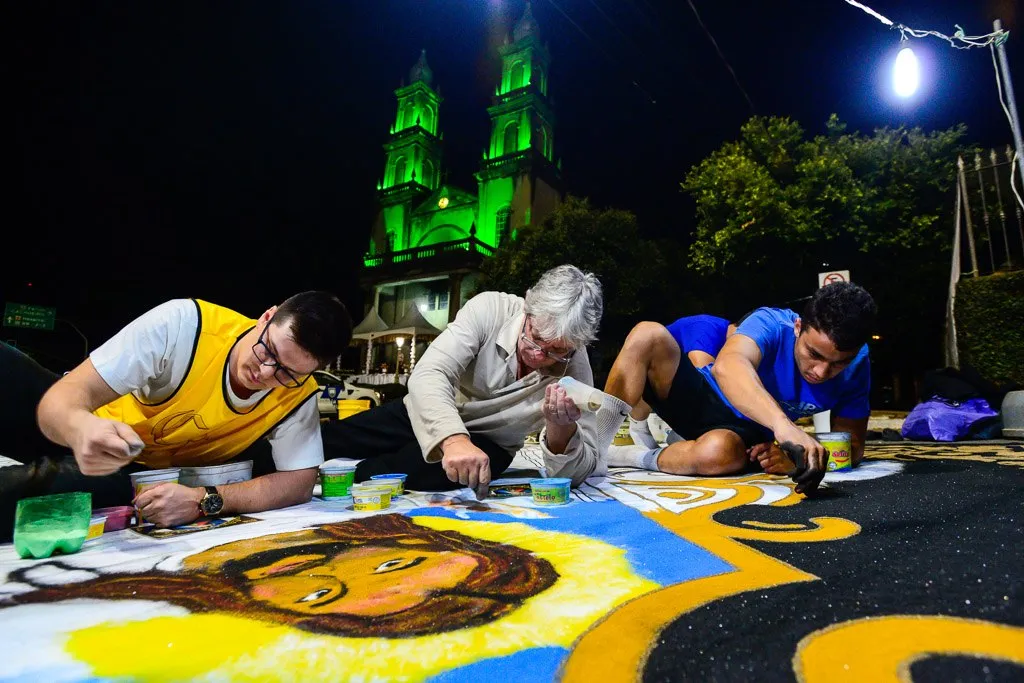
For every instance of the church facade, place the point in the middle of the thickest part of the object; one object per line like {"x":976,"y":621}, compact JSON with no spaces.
{"x":430,"y":237}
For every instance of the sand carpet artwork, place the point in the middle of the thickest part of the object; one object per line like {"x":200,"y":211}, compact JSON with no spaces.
{"x":908,"y":568}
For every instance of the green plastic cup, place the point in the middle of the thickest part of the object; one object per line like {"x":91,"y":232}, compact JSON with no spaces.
{"x":46,"y":524}
{"x":336,"y":480}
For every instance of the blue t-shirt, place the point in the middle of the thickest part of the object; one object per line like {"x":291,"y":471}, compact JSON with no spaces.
{"x":846,"y":394}
{"x":700,"y":333}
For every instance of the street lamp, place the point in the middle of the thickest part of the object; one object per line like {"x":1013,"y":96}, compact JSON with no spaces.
{"x":906,"y":73}
{"x":399,"y":342}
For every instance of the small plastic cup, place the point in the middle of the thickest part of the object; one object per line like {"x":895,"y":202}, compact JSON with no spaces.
{"x":370,"y":498}
{"x":553,"y":491}
{"x":45,"y":524}
{"x":118,"y":517}
{"x":147,"y":479}
{"x":336,"y":480}
{"x":396,"y":481}
{"x":97,"y":523}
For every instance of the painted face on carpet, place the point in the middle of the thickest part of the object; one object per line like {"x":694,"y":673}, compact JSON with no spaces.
{"x":376,"y":576}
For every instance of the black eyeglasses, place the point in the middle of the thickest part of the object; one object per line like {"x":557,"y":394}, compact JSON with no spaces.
{"x":557,"y":357}
{"x":266,"y":357}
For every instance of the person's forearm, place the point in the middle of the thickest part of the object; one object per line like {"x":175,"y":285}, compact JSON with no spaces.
{"x":269,"y":492}
{"x":558,"y":436}
{"x":858,"y":430}
{"x":739,"y":382}
{"x":70,"y":402}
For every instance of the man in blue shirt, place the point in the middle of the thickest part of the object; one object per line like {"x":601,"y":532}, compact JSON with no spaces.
{"x":776,"y":368}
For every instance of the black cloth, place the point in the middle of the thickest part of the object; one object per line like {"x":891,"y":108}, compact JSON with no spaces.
{"x":962,"y":384}
{"x":383,"y":439}
{"x":693,"y":408}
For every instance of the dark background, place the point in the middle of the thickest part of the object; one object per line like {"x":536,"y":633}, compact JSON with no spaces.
{"x":230,"y":150}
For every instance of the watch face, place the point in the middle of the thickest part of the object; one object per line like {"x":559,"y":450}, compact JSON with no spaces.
{"x":212,"y":504}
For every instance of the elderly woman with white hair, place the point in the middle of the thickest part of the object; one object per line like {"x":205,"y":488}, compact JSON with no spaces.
{"x":486,"y":382}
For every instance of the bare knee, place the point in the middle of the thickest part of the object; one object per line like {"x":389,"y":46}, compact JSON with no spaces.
{"x":648,"y":337}
{"x":715,"y":453}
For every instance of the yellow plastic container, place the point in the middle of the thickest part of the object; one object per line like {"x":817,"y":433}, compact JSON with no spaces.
{"x":366,"y":498}
{"x":347,"y":407}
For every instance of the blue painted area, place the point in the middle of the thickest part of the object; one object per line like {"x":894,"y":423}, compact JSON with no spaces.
{"x":654,"y":552}
{"x":527,"y":666}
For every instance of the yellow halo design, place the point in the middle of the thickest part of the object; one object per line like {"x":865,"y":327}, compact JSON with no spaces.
{"x":594,"y":578}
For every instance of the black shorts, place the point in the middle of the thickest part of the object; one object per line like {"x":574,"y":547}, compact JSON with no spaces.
{"x":693,"y":408}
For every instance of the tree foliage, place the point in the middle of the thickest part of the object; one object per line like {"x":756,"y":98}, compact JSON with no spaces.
{"x":821,"y":196}
{"x":775,"y":207}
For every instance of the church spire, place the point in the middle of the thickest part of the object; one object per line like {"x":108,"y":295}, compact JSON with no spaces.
{"x":526,"y":26}
{"x":420,"y":71}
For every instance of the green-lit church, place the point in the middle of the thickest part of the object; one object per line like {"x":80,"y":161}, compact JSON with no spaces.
{"x":430,"y":237}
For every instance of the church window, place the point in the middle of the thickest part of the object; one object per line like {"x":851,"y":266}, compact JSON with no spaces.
{"x":511,"y":142}
{"x":502,"y":221}
{"x":438,"y":300}
{"x":515,"y":78}
{"x":399,"y":171}
{"x":428,"y":173}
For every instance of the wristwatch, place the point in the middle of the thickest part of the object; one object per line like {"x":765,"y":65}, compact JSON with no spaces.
{"x":212,"y":503}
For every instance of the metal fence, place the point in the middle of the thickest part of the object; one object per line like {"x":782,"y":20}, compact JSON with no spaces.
{"x":988,"y":224}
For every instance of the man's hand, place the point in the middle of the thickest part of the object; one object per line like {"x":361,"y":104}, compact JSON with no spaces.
{"x":466,"y":464}
{"x":169,"y":504}
{"x":798,"y":444}
{"x":104,"y":446}
{"x":559,"y":409}
{"x":773,"y":459}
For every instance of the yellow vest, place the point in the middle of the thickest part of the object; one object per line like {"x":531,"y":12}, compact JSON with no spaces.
{"x":196,"y":425}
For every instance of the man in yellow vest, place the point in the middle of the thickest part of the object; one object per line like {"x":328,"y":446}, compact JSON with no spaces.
{"x":191,"y":383}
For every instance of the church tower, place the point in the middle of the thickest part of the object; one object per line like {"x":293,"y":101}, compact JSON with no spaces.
{"x":412,"y":165}
{"x":519,"y":181}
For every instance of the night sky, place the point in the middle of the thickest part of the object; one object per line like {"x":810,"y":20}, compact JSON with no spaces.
{"x":230,"y":150}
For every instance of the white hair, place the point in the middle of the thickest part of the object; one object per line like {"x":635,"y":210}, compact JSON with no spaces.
{"x":566,"y":303}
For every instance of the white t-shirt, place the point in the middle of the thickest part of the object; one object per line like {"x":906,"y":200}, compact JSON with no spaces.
{"x":151,"y":355}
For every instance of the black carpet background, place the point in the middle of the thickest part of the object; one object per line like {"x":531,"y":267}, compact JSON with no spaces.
{"x":941,"y":538}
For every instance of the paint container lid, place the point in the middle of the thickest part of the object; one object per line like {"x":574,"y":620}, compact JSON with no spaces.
{"x":337,"y":467}
{"x":400,"y":476}
{"x":552,"y":482}
{"x":833,"y":436}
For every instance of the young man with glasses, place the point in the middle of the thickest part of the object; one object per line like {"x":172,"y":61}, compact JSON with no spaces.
{"x":489,"y":380}
{"x":188,"y":383}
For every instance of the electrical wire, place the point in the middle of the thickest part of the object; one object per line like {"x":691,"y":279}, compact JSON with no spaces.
{"x":958,"y":40}
{"x":721,"y":56}
{"x":601,"y":49}
{"x":1006,"y":110}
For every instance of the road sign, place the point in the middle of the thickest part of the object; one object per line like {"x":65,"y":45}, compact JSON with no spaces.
{"x":831,"y":276}
{"x":32,"y":317}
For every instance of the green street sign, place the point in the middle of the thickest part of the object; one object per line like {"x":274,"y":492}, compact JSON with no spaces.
{"x":32,"y":317}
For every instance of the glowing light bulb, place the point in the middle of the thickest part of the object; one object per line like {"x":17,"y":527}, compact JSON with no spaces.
{"x":906,"y":74}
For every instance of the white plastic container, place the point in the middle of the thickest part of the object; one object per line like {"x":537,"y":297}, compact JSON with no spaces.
{"x":587,"y":398}
{"x":216,"y":475}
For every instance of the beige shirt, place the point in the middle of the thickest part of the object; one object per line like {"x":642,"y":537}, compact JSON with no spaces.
{"x":466,"y":384}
